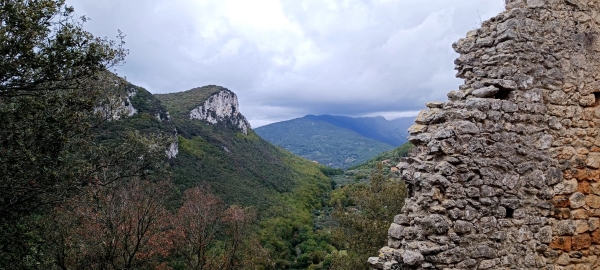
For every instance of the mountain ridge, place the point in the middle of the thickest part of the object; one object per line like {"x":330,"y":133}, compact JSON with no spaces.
{"x":337,"y":141}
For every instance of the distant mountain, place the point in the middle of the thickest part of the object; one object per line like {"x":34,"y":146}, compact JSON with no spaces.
{"x":392,"y":132}
{"x":337,"y":141}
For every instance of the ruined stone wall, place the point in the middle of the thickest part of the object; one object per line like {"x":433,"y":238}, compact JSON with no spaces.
{"x":506,"y":174}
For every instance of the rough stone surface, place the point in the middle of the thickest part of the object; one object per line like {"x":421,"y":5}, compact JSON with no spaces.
{"x":221,"y":107}
{"x":506,"y":173}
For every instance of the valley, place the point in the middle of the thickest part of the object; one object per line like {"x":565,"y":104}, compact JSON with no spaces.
{"x":337,"y":141}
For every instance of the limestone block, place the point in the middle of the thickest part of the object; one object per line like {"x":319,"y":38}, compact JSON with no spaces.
{"x":564,"y":227}
{"x":561,"y":242}
{"x":416,"y":129}
{"x":593,"y":160}
{"x":581,"y":241}
{"x":577,"y":200}
{"x":588,"y":100}
{"x":593,"y":201}
{"x":566,"y":187}
{"x":412,"y":257}
{"x":430,"y":116}
{"x":595,"y":237}
{"x":579,"y":214}
{"x":396,"y":231}
{"x":536,"y":3}
{"x":581,"y":226}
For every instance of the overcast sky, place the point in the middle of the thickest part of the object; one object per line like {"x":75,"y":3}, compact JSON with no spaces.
{"x":288,"y":58}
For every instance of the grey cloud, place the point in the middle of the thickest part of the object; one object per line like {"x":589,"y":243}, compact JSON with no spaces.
{"x":288,"y":58}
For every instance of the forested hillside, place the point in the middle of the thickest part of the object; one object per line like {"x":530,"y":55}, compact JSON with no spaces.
{"x":320,"y":141}
{"x":97,"y":173}
{"x":393,"y":132}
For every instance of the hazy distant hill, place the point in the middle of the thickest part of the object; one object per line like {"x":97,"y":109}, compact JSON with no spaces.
{"x":337,"y":141}
{"x":392,"y":132}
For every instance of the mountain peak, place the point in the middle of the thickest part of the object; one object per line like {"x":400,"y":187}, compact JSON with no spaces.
{"x":211,"y":104}
{"x":221,"y":107}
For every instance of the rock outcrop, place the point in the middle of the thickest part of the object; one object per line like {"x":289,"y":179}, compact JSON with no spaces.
{"x":221,"y":107}
{"x":506,"y":174}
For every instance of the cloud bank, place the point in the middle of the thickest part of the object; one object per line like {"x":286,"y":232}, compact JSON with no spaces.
{"x":288,"y":58}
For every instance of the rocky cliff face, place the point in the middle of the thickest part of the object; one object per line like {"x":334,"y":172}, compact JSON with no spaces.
{"x":507,"y":172}
{"x":117,"y":106}
{"x":221,"y":107}
{"x":133,"y":108}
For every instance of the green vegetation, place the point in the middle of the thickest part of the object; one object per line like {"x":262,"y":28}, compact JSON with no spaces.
{"x":247,"y":170}
{"x":180,"y":104}
{"x":86,"y":185}
{"x":322,"y":142}
{"x":364,"y":212}
{"x":391,"y":157}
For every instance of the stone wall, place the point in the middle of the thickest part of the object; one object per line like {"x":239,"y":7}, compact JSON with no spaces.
{"x":506,"y":174}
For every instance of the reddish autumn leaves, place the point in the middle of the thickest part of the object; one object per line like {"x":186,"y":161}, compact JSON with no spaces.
{"x":127,"y":226}
{"x":202,"y":221}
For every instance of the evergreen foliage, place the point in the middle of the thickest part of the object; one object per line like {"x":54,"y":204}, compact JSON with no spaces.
{"x":84,"y":185}
{"x":364,"y":212}
{"x":323,"y":142}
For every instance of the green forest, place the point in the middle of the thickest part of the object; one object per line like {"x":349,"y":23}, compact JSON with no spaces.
{"x":85,"y":184}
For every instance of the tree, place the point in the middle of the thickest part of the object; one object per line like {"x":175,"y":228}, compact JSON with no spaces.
{"x":364,"y":213}
{"x":238,"y":221}
{"x":52,"y":77}
{"x":199,"y":221}
{"x":211,"y":236}
{"x":44,"y":47}
{"x":121,"y":226}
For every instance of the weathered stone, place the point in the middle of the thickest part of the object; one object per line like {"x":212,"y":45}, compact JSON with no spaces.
{"x":593,"y":201}
{"x":485,"y":91}
{"x":536,"y":3}
{"x":506,"y":175}
{"x":581,"y":226}
{"x":434,"y":104}
{"x":565,"y":227}
{"x":544,"y":235}
{"x":412,"y":257}
{"x":434,"y":224}
{"x":561,"y":202}
{"x":416,"y":129}
{"x":464,"y":127}
{"x":430,"y":116}
{"x":587,"y":100}
{"x":561,"y":242}
{"x":462,"y":227}
{"x":396,"y":231}
{"x":375,"y":262}
{"x":566,"y":187}
{"x":593,"y":160}
{"x":577,"y":200}
{"x":595,"y":237}
{"x":581,"y":241}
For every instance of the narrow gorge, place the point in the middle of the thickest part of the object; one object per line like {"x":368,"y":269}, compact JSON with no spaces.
{"x":506,"y":173}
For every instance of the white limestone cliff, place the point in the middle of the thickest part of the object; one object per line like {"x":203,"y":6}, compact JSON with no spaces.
{"x":221,"y":107}
{"x":117,"y":107}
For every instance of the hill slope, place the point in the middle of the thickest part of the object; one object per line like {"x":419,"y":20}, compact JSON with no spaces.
{"x":392,"y":132}
{"x":337,"y":141}
{"x":217,"y":146}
